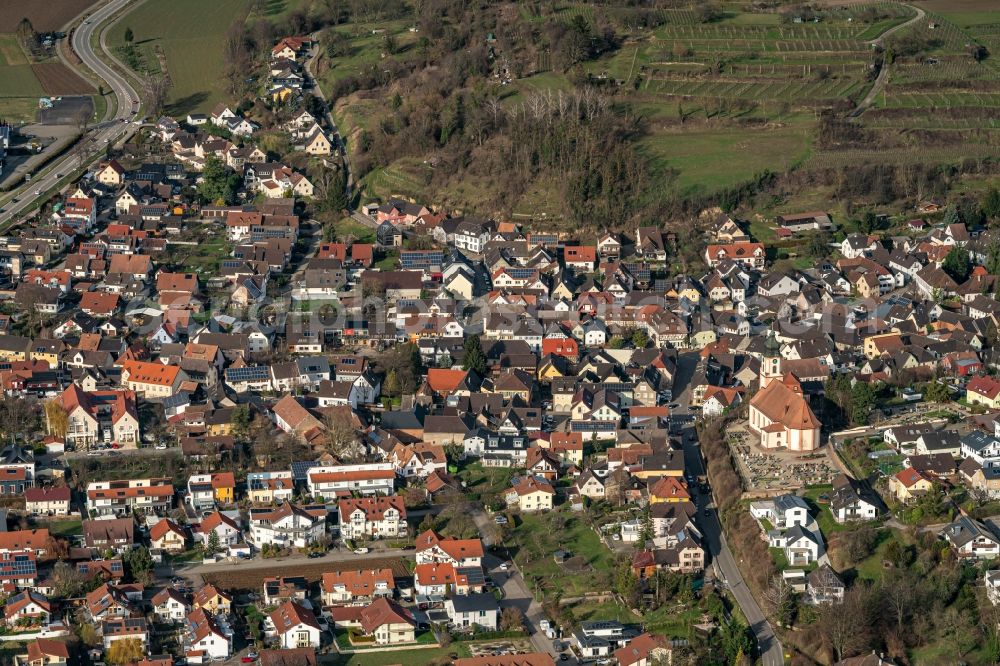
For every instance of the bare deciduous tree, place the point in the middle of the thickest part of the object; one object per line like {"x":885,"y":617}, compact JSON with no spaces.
{"x":157,"y":90}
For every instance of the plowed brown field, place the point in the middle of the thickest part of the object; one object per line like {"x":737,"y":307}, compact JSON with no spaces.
{"x":44,"y":15}
{"x":58,"y":79}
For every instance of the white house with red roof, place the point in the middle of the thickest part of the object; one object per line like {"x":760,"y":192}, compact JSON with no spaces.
{"x":749,"y":255}
{"x":98,"y":416}
{"x":79,"y":213}
{"x":350,"y":587}
{"x":432,"y":547}
{"x":294,"y":626}
{"x":208,"y":637}
{"x":225,"y":527}
{"x":372,"y":516}
{"x":53,"y":501}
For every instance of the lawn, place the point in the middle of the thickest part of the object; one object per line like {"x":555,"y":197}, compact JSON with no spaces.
{"x":277,"y":9}
{"x":711,"y":159}
{"x":19,"y":109}
{"x":871,"y":568}
{"x":191,"y":35}
{"x":484,"y":481}
{"x":608,"y":610}
{"x":824,"y":516}
{"x":361,"y":233}
{"x":366,"y":48}
{"x":203,"y":258}
{"x":672,"y":622}
{"x":65,"y":528}
{"x":538,"y":536}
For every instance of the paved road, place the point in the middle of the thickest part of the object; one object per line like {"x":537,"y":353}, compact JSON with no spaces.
{"x":339,"y":143}
{"x":770,"y":647}
{"x":96,"y":138}
{"x":883,"y":74}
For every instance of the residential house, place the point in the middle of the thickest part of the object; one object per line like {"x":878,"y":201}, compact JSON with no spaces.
{"x":294,"y":625}
{"x":289,"y":525}
{"x":852,"y":500}
{"x":531,"y":495}
{"x":372,"y":517}
{"x":354,"y":587}
{"x":971,"y":539}
{"x":478,"y":610}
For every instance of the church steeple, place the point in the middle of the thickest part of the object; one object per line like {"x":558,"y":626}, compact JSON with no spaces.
{"x":770,"y":367}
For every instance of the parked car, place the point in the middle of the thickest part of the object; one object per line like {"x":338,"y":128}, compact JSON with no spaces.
{"x":500,"y":520}
{"x":360,"y":551}
{"x":315,"y":554}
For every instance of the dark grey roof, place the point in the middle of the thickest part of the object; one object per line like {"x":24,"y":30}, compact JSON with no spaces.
{"x":468,"y":603}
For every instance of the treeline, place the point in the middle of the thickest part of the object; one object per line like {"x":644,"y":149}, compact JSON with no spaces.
{"x":577,"y":139}
{"x":742,"y":532}
{"x":923,"y":597}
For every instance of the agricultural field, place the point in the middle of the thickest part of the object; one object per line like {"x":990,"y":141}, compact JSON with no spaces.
{"x":941,"y":84}
{"x":24,"y":79}
{"x":721,"y":101}
{"x":230,"y":578}
{"x":189,"y":35}
{"x":711,"y":159}
{"x":58,"y":79}
{"x":44,"y":16}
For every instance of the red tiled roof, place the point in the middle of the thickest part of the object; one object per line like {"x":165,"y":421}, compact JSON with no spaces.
{"x":457,"y":549}
{"x":358,"y":583}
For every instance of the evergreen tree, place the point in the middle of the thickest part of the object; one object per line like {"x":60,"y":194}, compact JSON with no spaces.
{"x":241,"y":421}
{"x":991,"y":205}
{"x":129,"y":36}
{"x":951,"y":215}
{"x":219,"y":182}
{"x":646,"y":534}
{"x":474,"y":358}
{"x":863,"y":401}
{"x":957,"y":264}
{"x":213,"y":544}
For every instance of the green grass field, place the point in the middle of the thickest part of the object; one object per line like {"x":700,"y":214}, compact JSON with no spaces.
{"x":16,"y":77}
{"x":366,"y":48}
{"x":711,"y":159}
{"x":190,"y":32}
{"x":538,"y":536}
{"x":10,"y":51}
{"x":19,"y":109}
{"x":19,"y":81}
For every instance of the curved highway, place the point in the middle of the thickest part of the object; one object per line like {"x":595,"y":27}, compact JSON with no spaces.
{"x":98,"y":136}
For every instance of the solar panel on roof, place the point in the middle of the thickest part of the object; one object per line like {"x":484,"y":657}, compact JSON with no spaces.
{"x":248,"y":373}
